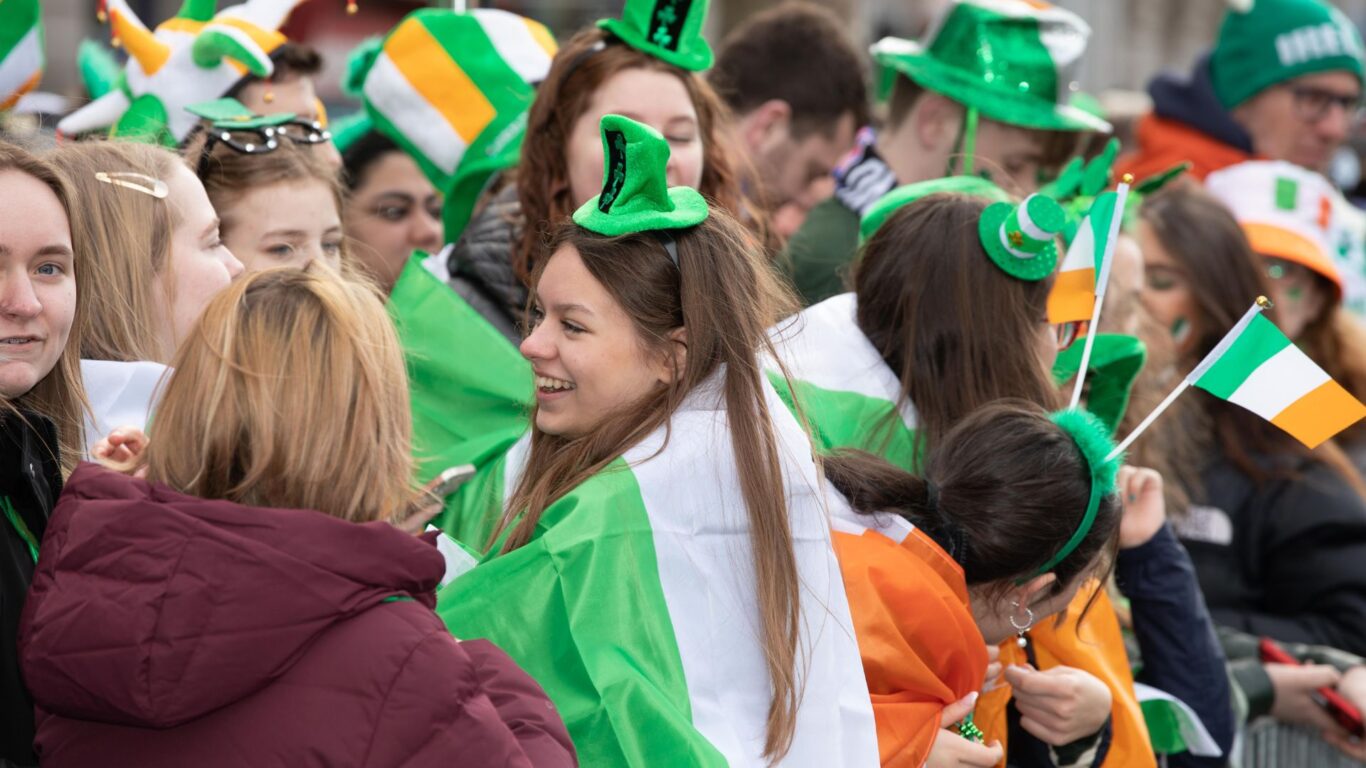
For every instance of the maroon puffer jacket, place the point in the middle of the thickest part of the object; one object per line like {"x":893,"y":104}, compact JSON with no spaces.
{"x":163,"y":629}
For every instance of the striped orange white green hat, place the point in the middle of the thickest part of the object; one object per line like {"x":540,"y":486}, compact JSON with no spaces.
{"x":197,"y":55}
{"x":452,"y":89}
{"x":21,"y":49}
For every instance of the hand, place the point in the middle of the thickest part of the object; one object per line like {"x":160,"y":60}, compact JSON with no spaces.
{"x":953,"y":751}
{"x":1353,"y":688}
{"x":1145,"y":510}
{"x":1295,"y":686}
{"x":993,"y":676}
{"x":120,"y":447}
{"x":428,"y":506}
{"x":1060,"y":705}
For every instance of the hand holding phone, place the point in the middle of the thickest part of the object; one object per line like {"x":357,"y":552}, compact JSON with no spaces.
{"x":1332,"y":702}
{"x":450,"y":480}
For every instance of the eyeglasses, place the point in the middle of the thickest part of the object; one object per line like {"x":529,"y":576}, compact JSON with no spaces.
{"x":257,"y":141}
{"x":1313,"y":104}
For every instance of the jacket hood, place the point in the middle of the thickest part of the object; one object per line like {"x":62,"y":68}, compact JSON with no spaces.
{"x":151,"y":608}
{"x":1191,"y":100}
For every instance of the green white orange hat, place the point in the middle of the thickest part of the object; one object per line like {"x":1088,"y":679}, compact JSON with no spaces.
{"x":1022,"y":239}
{"x":1285,"y":210}
{"x":669,"y":30}
{"x":1014,"y":61}
{"x":21,"y":49}
{"x":194,"y":56}
{"x":452,"y":89}
{"x":636,"y":196}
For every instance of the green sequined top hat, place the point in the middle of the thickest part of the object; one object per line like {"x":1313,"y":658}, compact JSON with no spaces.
{"x":669,"y":30}
{"x":1009,"y":59}
{"x":893,"y":201}
{"x":636,"y":196}
{"x":1092,"y":438}
{"x":1021,"y":238}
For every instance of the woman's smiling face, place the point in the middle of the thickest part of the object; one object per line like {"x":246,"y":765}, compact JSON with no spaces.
{"x":588,"y":356}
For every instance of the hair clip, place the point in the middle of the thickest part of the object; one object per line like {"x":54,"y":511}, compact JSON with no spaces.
{"x":138,"y":181}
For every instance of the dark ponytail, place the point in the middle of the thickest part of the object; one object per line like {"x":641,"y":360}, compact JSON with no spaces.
{"x":1010,"y":488}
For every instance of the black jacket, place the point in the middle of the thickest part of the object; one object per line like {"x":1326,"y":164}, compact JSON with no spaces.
{"x":480,"y":265}
{"x":31,"y":479}
{"x":1285,"y":560}
{"x":1191,"y":100}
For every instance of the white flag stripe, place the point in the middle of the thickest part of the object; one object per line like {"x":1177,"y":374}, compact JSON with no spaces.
{"x":824,"y":347}
{"x":390,"y":93}
{"x":513,"y":40}
{"x":1027,"y":224}
{"x":1082,"y":253}
{"x":24,"y":61}
{"x":1279,"y":381}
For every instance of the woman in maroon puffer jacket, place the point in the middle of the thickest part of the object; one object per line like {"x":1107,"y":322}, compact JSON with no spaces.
{"x":207,"y":615}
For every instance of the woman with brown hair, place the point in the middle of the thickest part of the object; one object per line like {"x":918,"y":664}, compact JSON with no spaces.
{"x":1277,"y":531}
{"x":45,"y":282}
{"x":598,"y":72}
{"x":249,"y":563}
{"x":160,"y":261}
{"x":661,"y":558}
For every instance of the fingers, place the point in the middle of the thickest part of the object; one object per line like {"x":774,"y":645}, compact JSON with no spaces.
{"x":1029,"y":682}
{"x":416,"y":522}
{"x":981,"y":755}
{"x":1348,"y":745}
{"x":993,"y":677}
{"x":958,"y":710}
{"x":1319,"y":676}
{"x":1043,"y":732}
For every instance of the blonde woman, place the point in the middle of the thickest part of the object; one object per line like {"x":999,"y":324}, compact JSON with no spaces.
{"x":160,"y":260}
{"x":41,"y":276}
{"x":252,"y":604}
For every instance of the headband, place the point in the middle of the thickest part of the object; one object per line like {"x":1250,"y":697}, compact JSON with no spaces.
{"x":1092,"y":439}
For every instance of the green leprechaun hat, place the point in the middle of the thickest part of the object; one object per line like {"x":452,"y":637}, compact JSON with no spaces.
{"x":890,"y":203}
{"x":669,"y":30}
{"x":636,"y":196}
{"x":1021,"y":238}
{"x":1012,"y":60}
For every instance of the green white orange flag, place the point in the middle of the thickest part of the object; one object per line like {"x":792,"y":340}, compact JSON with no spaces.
{"x":1259,"y":368}
{"x":1262,"y":371}
{"x":1073,"y":297}
{"x":21,"y":50}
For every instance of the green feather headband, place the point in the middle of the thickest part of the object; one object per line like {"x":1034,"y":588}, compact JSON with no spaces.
{"x":1092,"y":438}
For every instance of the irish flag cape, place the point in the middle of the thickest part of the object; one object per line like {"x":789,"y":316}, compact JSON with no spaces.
{"x":471,"y":391}
{"x":921,"y":649}
{"x":848,"y":393}
{"x":122,"y":394}
{"x":844,"y":387}
{"x":634,"y":606}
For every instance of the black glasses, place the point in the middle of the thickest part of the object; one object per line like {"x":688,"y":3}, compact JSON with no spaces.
{"x":1068,"y":333}
{"x":1313,"y":104}
{"x":260,"y":140}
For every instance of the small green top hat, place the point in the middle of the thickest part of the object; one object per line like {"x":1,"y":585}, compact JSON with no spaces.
{"x":669,"y":30}
{"x":1009,"y":59}
{"x":636,"y":196}
{"x":229,"y":113}
{"x":902,"y":196}
{"x":1020,"y":238}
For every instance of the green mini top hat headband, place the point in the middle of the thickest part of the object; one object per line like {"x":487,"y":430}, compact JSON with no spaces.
{"x":636,"y":196}
{"x":1020,"y":238}
{"x":890,"y":203}
{"x":1092,"y":438}
{"x":669,"y":30}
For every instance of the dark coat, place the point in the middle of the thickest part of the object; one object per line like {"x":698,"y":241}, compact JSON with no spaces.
{"x":31,"y":479}
{"x":164,"y":629}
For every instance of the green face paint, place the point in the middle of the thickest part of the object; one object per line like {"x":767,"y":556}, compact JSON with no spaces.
{"x":1275,"y":271}
{"x":1181,"y":330}
{"x":1294,"y":293}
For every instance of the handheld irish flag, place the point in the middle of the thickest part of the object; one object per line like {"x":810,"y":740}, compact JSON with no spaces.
{"x":1257,"y":367}
{"x":1105,"y":251}
{"x":1073,"y":297}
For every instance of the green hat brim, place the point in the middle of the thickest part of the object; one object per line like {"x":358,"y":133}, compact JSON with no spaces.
{"x":890,"y":203}
{"x":1116,"y":360}
{"x":967,"y":89}
{"x":689,"y":210}
{"x":230,"y":113}
{"x":694,"y":61}
{"x":989,"y":229}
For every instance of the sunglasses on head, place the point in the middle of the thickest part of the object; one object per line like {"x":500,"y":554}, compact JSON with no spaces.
{"x":258,"y":140}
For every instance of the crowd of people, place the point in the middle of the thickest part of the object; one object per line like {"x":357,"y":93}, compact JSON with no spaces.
{"x":626,"y":400}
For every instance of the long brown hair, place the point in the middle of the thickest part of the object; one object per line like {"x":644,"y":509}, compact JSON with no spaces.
{"x":1224,"y":277}
{"x":290,"y":392}
{"x":726,"y":297}
{"x":957,"y":330}
{"x":59,"y":395}
{"x":576,"y":73}
{"x":128,"y":233}
{"x":1010,"y":488}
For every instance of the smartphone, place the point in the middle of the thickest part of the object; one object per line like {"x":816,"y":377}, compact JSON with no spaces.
{"x":1330,"y":700}
{"x":450,"y":479}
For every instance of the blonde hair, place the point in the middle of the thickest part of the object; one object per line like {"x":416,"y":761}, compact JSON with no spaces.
{"x":59,"y":395}
{"x":290,"y":392}
{"x":127,"y":234}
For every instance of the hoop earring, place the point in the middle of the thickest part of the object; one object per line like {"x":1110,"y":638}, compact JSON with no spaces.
{"x":1021,"y":629}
